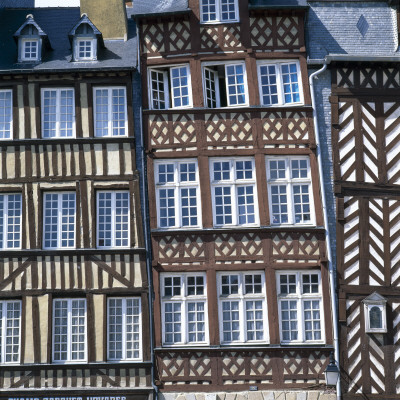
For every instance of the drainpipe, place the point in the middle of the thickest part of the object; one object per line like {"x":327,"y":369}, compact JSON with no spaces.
{"x":328,"y":237}
{"x":146,"y":233}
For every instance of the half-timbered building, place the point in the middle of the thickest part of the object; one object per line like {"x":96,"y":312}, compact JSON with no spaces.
{"x":358,"y":112}
{"x":240,"y":267}
{"x":74,"y":320}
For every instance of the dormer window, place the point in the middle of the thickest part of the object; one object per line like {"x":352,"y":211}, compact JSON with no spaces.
{"x":85,"y":39}
{"x":30,"y":50}
{"x":31,"y":40}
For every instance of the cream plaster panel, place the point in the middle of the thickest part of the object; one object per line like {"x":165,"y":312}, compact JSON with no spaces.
{"x":138,"y":276}
{"x":34,"y":168}
{"x":35,"y":196}
{"x":84,"y":110}
{"x":128,"y":158}
{"x":91,"y":212}
{"x":31,"y":94}
{"x":48,"y":150}
{"x":75,"y":149}
{"x":88,"y":159}
{"x":113,"y":159}
{"x":22,"y":157}
{"x":57,"y":266}
{"x":41,"y":160}
{"x":98,"y":153}
{"x":21,"y":112}
{"x":59,"y":160}
{"x":10,"y":162}
{"x":43,"y":325}
{"x":28,"y":356}
{"x":67,"y":152}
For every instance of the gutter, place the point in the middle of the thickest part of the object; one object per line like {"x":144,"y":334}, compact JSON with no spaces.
{"x":332,"y":285}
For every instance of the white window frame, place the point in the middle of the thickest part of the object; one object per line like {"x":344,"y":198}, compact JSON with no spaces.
{"x":177,"y":186}
{"x":234,"y":183}
{"x":6,"y":134}
{"x":289,"y":183}
{"x":110,"y":120}
{"x":184,"y":300}
{"x":59,"y":223}
{"x":69,"y":331}
{"x":125,"y":332}
{"x":114,"y":217}
{"x":8,"y":228}
{"x":78,"y":41}
{"x":58,"y":121}
{"x":279,"y":82}
{"x":218,"y":18}
{"x":24,"y":42}
{"x":300,"y":298}
{"x":242,"y":298}
{"x":205,"y":66}
{"x":4,"y":327}
{"x":166,"y":72}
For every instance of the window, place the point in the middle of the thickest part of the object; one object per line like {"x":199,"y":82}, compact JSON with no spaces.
{"x":10,"y":331}
{"x":300,"y":306}
{"x":30,"y":50}
{"x":10,"y":221}
{"x":280,"y":83}
{"x":225,"y":85}
{"x":242,"y":307}
{"x":170,"y":87}
{"x":110,"y":115}
{"x":84,"y":49}
{"x":124,"y":329}
{"x":178,"y":194}
{"x":58,"y":113}
{"x":6,"y":114}
{"x":233,"y":188}
{"x":375,"y":313}
{"x":113,"y":219}
{"x":59,"y":220}
{"x":290,"y":191}
{"x":219,"y":11}
{"x":184,"y":308}
{"x":69,"y":330}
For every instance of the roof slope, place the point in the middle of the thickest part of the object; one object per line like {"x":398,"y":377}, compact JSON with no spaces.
{"x":57,"y":23}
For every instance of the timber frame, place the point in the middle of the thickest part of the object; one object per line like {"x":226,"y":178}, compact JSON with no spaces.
{"x":257,"y":131}
{"x":32,"y":165}
{"x":365,"y":134}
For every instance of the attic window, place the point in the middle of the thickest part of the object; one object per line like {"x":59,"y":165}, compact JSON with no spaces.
{"x":85,"y":43}
{"x":30,"y":50}
{"x":29,"y":41}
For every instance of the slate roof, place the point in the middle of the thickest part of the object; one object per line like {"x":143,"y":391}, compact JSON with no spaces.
{"x":277,"y":4}
{"x":57,"y":23}
{"x":351,"y":28}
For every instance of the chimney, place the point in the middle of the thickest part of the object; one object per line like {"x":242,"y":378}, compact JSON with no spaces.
{"x":109,"y":16}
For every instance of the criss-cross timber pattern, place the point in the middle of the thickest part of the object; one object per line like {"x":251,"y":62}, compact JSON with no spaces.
{"x":275,"y":32}
{"x":377,"y":222}
{"x":243,"y":247}
{"x":367,"y":139}
{"x":74,"y":376}
{"x":367,"y":78}
{"x":168,"y":37}
{"x":238,"y":368}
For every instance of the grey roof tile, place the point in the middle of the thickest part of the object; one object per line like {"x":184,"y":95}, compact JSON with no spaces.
{"x":57,"y":23}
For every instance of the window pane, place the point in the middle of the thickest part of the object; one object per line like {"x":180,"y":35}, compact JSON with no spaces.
{"x":279,"y":204}
{"x":158,"y":90}
{"x":289,"y":320}
{"x":290,"y":83}
{"x":5,"y":114}
{"x":196,"y":322}
{"x":10,"y":221}
{"x":210,"y":86}
{"x":235,"y":84}
{"x":60,"y":334}
{"x":254,"y":320}
{"x":269,"y":85}
{"x":223,"y":205}
{"x":312,"y":320}
{"x":118,"y":112}
{"x":180,"y":86}
{"x":172,"y":323}
{"x":209,"y":10}
{"x":10,"y":328}
{"x":301,"y":203}
{"x":228,"y":10}
{"x":231,"y":322}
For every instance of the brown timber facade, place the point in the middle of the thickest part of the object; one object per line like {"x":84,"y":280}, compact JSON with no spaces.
{"x":365,"y":122}
{"x":213,"y":260}
{"x":70,"y":279}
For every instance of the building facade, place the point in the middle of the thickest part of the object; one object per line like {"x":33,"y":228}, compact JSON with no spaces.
{"x":358,"y":117}
{"x":74,"y":314}
{"x":240,"y":271}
